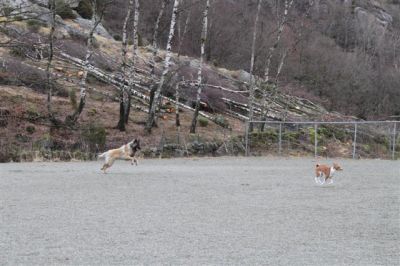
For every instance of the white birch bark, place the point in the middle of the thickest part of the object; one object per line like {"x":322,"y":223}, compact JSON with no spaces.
{"x":117,"y":83}
{"x":50,"y":60}
{"x":125,"y":40}
{"x":155,"y":52}
{"x":185,"y":28}
{"x":151,"y":116}
{"x":271,"y":52}
{"x":253,"y":48}
{"x":124,"y":67}
{"x":89,"y":52}
{"x":132,"y":76}
{"x":199,"y":73}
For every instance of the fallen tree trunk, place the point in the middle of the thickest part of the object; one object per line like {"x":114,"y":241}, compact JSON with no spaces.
{"x":121,"y":84}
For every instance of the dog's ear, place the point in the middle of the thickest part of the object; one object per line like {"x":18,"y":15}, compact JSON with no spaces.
{"x":135,"y":144}
{"x":138,"y":143}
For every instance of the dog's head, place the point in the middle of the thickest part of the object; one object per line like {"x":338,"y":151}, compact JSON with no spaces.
{"x":134,"y":145}
{"x":337,"y":167}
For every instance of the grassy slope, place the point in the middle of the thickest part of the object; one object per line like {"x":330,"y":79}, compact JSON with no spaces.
{"x":103,"y":111}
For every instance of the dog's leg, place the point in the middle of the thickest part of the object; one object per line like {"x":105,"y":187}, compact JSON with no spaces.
{"x":104,"y":168}
{"x":132,"y":159}
{"x":109,"y":162}
{"x":321,"y":179}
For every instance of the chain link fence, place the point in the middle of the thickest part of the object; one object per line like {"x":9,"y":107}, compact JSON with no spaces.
{"x":29,"y":137}
{"x":355,"y":139}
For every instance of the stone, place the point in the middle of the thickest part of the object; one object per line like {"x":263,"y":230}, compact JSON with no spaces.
{"x":87,"y":25}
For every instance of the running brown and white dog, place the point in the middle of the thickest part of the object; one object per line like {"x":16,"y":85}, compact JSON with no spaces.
{"x":125,"y":152}
{"x":326,"y":172}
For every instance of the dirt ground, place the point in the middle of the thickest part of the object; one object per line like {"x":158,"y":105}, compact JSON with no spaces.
{"x":214,"y":211}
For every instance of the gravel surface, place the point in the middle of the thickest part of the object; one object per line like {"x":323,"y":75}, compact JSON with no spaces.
{"x":214,"y":211}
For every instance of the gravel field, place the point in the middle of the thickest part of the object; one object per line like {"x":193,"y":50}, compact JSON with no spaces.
{"x":213,"y":211}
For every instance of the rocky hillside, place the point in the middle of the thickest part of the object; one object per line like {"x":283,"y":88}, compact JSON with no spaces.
{"x":27,"y":134}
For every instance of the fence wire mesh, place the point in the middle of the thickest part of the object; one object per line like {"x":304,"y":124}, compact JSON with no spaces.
{"x":355,"y":139}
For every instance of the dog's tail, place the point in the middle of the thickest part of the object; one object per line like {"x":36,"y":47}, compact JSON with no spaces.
{"x":102,"y":155}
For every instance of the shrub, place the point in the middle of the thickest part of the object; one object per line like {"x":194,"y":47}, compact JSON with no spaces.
{"x":203,"y":122}
{"x":117,"y":37}
{"x":18,"y":51}
{"x":312,"y":135}
{"x":34,"y":25}
{"x":329,"y":131}
{"x":220,"y":120}
{"x":264,"y":139}
{"x":30,"y":129}
{"x":94,"y":135}
{"x":18,"y":18}
{"x":22,"y":138}
{"x":381,"y":139}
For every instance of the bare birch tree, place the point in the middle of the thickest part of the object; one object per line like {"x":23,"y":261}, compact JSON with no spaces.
{"x":96,"y":20}
{"x":128,"y":69}
{"x":253,"y":48}
{"x":50,"y":61}
{"x":185,"y":28}
{"x":132,"y":76}
{"x":155,"y":52}
{"x":199,"y":73}
{"x":123,"y":98}
{"x":157,"y":94}
{"x":281,"y":27}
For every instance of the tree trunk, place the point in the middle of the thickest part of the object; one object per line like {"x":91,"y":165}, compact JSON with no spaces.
{"x":50,"y":61}
{"x":89,"y":52}
{"x":177,"y":119}
{"x":199,"y":73}
{"x":132,"y":76}
{"x":124,"y":67}
{"x":155,"y":52}
{"x":281,"y":27}
{"x":121,"y":122}
{"x":251,"y":88}
{"x":157,"y":94}
{"x":185,"y":28}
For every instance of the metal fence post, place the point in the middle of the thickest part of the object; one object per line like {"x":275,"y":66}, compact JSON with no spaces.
{"x":246,"y":138}
{"x":394,"y":141}
{"x":355,"y":140}
{"x":315,"y":140}
{"x":280,"y":139}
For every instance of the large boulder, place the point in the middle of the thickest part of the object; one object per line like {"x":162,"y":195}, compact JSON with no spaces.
{"x":87,"y":25}
{"x":372,"y":12}
{"x":377,"y":17}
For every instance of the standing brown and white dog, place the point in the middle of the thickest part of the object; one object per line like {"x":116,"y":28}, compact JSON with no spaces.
{"x":326,"y":172}
{"x":125,"y":152}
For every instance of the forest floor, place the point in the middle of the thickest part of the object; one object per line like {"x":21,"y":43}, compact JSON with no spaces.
{"x":226,"y":210}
